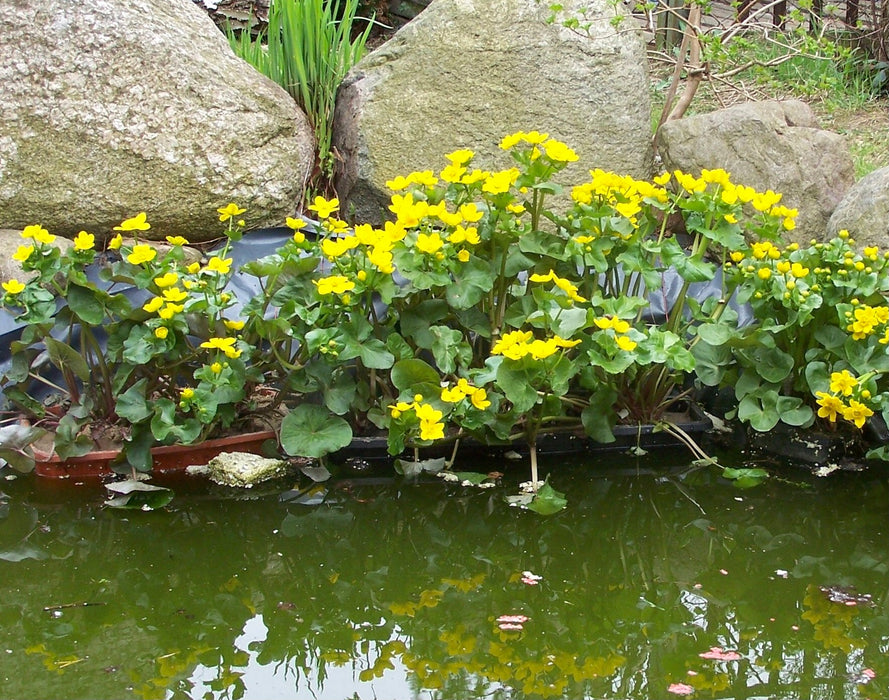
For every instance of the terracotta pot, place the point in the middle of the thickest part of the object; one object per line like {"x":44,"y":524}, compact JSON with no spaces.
{"x":167,"y":458}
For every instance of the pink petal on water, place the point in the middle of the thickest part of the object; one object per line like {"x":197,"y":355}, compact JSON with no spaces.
{"x":723,"y":572}
{"x":719,"y":654}
{"x":530,"y":581}
{"x":513,"y":619}
{"x":509,"y":626}
{"x":680,"y":689}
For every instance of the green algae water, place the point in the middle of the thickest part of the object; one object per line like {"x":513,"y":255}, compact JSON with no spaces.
{"x":655,"y":582}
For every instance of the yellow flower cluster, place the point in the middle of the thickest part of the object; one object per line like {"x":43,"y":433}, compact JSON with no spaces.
{"x":517,"y":344}
{"x":866,"y":320}
{"x":844,"y":385}
{"x":622,"y":193}
{"x":620,"y":328}
{"x":431,"y":425}
{"x":477,"y":395}
{"x":769,"y":262}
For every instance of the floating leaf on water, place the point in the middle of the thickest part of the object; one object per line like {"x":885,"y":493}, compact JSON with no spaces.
{"x":316,"y":474}
{"x":137,"y":495}
{"x":412,"y":469}
{"x":547,"y":501}
{"x":745,"y":478}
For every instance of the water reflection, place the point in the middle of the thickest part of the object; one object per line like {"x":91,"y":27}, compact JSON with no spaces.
{"x":394,"y":591}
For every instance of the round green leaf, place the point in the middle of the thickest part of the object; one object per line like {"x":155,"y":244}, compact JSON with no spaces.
{"x":311,"y":431}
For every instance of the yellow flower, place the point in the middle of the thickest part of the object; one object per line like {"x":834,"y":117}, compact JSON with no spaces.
{"x":174,"y":294}
{"x":479,"y":399}
{"x":460,"y":157}
{"x":194,"y":268}
{"x":730,"y":218}
{"x":797,"y":270}
{"x":508,"y":142}
{"x":153,"y":305}
{"x":398,"y":183}
{"x":220,"y":265}
{"x":23,"y":253}
{"x":142,"y":253}
{"x":620,"y":326}
{"x":229,"y":210}
{"x":13,"y":287}
{"x":186,"y":393}
{"x":470,"y":212}
{"x":177,"y":240}
{"x":226,"y":345}
{"x":324,"y":207}
{"x":135,"y":223}
{"x":296,"y":224}
{"x":558,"y":151}
{"x":429,"y":242}
{"x":335,"y":247}
{"x":830,"y":406}
{"x":508,"y":341}
{"x":500,"y":182}
{"x":565,"y":285}
{"x":161,"y":332}
{"x":216,"y":368}
{"x":381,"y":259}
{"x":233,"y":325}
{"x":431,"y":430}
{"x":857,"y":413}
{"x":334,"y":225}
{"x":842,"y":382}
{"x":455,"y":395}
{"x":764,"y":273}
{"x":115,"y":243}
{"x":34,"y":231}
{"x":624,"y":343}
{"x":737,"y":256}
{"x":335,"y":284}
{"x":169,"y":310}
{"x":84,"y":241}
{"x":452,"y":173}
{"x":424,"y":178}
{"x":299,"y":237}
{"x":463,"y":256}
{"x":167,"y":280}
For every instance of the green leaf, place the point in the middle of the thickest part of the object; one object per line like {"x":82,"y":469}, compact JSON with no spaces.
{"x":132,"y":405}
{"x":408,"y":373}
{"x":543,"y":243}
{"x":67,"y":358}
{"x":84,"y":302}
{"x":598,"y":417}
{"x":311,"y":431}
{"x":69,"y":440}
{"x":794,"y":412}
{"x":449,"y":349}
{"x":413,"y":468}
{"x":745,"y":478}
{"x":690,"y":268}
{"x":471,"y":283}
{"x":715,"y":333}
{"x":711,"y":362}
{"x":547,"y":500}
{"x":761,"y":413}
{"x":137,"y":495}
{"x":517,"y":384}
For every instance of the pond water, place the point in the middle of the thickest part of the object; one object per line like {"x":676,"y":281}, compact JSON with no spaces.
{"x":375,"y":588}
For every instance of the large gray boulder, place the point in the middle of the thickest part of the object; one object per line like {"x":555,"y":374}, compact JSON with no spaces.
{"x":768,"y":145}
{"x":111,"y":108}
{"x":465,"y":73}
{"x":864,"y":211}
